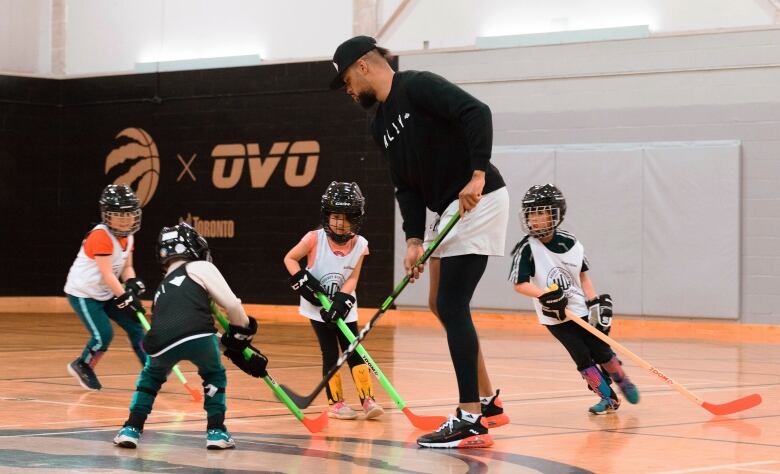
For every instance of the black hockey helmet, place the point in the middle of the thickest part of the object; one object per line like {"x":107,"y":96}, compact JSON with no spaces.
{"x":538,"y":199}
{"x":347,"y":199}
{"x":181,"y":241}
{"x":120,"y":209}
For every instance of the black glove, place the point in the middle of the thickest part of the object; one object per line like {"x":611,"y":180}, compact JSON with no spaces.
{"x":340,"y":307}
{"x":256,"y":364}
{"x":129,"y":303}
{"x":600,"y":309}
{"x":306,"y":285}
{"x":237,"y":337}
{"x":136,"y":286}
{"x":554,"y":304}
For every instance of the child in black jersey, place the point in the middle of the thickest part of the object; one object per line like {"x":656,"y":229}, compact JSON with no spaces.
{"x":550,"y":255}
{"x":183,"y":329}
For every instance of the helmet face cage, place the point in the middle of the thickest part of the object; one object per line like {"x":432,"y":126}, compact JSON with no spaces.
{"x":540,"y":221}
{"x":120,"y":210}
{"x":347,"y":199}
{"x":181,"y":241}
{"x":544,"y":208}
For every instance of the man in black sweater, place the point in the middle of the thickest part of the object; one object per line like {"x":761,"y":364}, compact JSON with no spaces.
{"x":437,"y":139}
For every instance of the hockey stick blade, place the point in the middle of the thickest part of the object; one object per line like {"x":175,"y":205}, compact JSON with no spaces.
{"x":734,"y":406}
{"x":427,"y":423}
{"x":197,"y":395}
{"x":315,"y":425}
{"x":301,"y":401}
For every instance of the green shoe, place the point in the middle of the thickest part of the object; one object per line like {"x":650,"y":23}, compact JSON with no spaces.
{"x":128,"y":437}
{"x":605,"y":406}
{"x":219,"y":439}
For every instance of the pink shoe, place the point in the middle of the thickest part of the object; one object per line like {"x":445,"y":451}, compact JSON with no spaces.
{"x":341,"y":411}
{"x":372,"y":408}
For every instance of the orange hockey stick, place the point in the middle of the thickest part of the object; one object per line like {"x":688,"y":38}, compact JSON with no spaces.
{"x":727,"y":408}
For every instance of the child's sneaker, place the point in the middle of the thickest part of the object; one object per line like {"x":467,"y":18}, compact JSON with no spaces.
{"x":605,"y":406}
{"x":493,"y":412}
{"x":84,"y":374}
{"x":341,"y":411}
{"x":219,"y":439}
{"x":459,"y":431}
{"x":128,"y":437}
{"x":372,"y":408}
{"x":629,"y":391}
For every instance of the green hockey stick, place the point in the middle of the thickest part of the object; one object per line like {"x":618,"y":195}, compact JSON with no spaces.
{"x":313,"y":425}
{"x":196,"y":394}
{"x":305,"y":401}
{"x":421,"y":422}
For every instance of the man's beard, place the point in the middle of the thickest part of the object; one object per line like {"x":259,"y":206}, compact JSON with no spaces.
{"x":366,"y":99}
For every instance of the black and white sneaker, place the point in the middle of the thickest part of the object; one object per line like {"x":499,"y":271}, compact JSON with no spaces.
{"x":493,"y":412}
{"x":84,"y":374}
{"x":458,"y":432}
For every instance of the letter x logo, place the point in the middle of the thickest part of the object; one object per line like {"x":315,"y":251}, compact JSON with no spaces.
{"x":186,"y":166}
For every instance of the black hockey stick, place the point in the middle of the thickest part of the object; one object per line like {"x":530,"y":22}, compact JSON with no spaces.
{"x":304,"y":402}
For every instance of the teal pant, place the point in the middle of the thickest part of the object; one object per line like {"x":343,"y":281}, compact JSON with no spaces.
{"x":204,"y":353}
{"x":97,"y":321}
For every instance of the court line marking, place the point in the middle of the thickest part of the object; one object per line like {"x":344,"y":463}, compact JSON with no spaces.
{"x":719,"y":466}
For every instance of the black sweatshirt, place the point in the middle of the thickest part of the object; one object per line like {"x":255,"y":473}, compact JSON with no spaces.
{"x":434,"y":135}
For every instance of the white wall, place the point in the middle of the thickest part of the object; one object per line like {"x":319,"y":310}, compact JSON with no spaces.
{"x":109,"y":36}
{"x":702,"y":87}
{"x":457,"y":23}
{"x":25,"y":36}
{"x":113,"y":35}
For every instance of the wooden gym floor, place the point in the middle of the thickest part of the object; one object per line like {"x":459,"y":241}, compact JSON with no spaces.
{"x":49,"y":424}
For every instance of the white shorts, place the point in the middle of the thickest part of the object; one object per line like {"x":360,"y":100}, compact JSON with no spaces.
{"x":480,"y":232}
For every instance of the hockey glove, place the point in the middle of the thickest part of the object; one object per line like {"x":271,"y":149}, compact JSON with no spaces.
{"x":129,"y":303}
{"x":237,"y":338}
{"x":136,"y":286}
{"x":256,"y":364}
{"x":600,"y":309}
{"x":554,"y":304}
{"x":306,"y":285}
{"x":340,"y":307}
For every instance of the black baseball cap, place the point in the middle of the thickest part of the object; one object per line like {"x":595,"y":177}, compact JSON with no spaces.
{"x":347,"y":53}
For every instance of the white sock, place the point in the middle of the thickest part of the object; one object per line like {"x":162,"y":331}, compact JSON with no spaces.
{"x":485,"y":400}
{"x":470,"y":417}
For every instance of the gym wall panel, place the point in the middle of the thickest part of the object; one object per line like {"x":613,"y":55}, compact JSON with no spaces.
{"x":659,"y":223}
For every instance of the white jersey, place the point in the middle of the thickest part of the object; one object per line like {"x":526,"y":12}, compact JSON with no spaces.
{"x":562,"y":269}
{"x":84,"y":278}
{"x":332,"y":271}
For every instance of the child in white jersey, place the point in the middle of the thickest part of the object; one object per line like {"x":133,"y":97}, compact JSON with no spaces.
{"x":334,"y":257}
{"x":550,"y":255}
{"x":93,"y":286}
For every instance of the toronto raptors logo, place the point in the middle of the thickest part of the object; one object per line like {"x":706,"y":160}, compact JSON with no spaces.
{"x":562,"y":278}
{"x":135,"y":162}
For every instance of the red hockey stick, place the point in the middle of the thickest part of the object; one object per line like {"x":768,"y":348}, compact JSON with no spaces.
{"x":728,"y":408}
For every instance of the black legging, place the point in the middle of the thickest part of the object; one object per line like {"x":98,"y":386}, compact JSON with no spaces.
{"x":330,"y":338}
{"x":584,"y":348}
{"x":458,"y":278}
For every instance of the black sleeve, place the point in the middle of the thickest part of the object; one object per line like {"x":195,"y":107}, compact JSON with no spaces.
{"x":523,"y":267}
{"x":585,"y":264}
{"x":409,"y":201}
{"x":442,"y":98}
{"x":412,"y":208}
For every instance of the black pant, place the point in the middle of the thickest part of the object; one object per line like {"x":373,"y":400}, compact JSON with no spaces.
{"x":458,"y":278}
{"x":584,"y":348}
{"x":330,"y":338}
